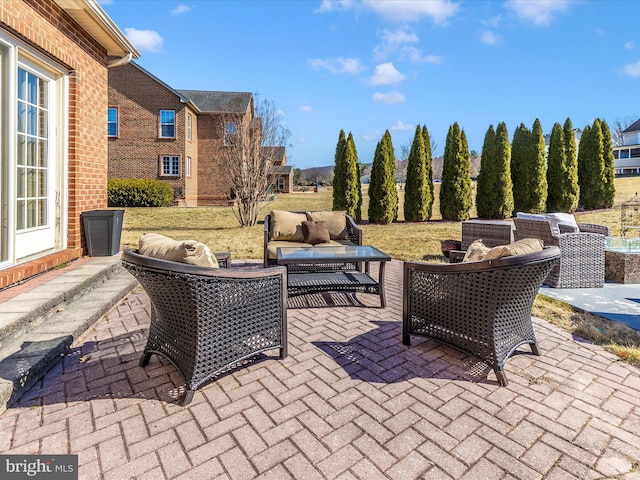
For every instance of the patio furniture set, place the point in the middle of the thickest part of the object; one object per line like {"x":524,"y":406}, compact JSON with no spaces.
{"x":207,"y":321}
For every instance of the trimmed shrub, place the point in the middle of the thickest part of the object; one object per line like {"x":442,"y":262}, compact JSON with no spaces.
{"x":353,"y":189}
{"x":340,"y":174}
{"x":456,"y":197}
{"x":417,"y":192}
{"x":137,"y":192}
{"x":383,"y":195}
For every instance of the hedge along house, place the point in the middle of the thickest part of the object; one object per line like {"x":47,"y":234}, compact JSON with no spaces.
{"x":177,"y":136}
{"x":54,"y":57}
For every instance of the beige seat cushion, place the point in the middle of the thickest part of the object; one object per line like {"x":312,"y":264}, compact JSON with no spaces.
{"x":287,"y":225}
{"x":315,"y":232}
{"x":336,"y":222}
{"x":476,"y":252}
{"x":183,"y":251}
{"x":526,"y":245}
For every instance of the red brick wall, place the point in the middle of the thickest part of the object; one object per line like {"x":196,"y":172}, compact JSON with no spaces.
{"x":50,"y":31}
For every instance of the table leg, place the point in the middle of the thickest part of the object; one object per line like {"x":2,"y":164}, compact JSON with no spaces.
{"x":383,"y":295}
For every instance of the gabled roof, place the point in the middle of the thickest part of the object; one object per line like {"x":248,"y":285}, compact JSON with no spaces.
{"x":219,"y":102}
{"x":281,"y":170}
{"x":177,"y":93}
{"x":90,"y":16}
{"x":634,"y":127}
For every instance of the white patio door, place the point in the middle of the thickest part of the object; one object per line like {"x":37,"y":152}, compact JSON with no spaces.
{"x":35,"y":167}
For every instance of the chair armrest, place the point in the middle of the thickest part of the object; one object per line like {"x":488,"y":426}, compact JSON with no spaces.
{"x":354,"y":232}
{"x":224,"y":259}
{"x":583,"y":244}
{"x":594,"y":228}
{"x":456,"y":256}
{"x":267,"y":237}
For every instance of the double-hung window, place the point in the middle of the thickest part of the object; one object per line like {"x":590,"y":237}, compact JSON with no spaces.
{"x":167,"y":124}
{"x":230,"y":130}
{"x":112,"y":122}
{"x":189,"y":126}
{"x":170,"y":166}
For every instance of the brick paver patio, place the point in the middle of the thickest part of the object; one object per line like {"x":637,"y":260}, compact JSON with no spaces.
{"x":349,"y":402}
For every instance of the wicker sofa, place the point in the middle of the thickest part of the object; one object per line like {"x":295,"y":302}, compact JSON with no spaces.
{"x":205,"y":320}
{"x":482,"y":308}
{"x":283,"y":229}
{"x":581,"y":262}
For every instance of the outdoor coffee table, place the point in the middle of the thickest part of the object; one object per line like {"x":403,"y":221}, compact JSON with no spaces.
{"x":333,"y":269}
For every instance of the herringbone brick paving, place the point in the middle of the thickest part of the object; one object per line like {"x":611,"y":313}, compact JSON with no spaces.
{"x":350,"y":402}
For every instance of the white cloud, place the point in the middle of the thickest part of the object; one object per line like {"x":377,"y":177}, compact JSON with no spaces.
{"x":305,"y":108}
{"x":390,"y":98}
{"x":413,"y":10}
{"x":401,"y":126}
{"x":415,"y":55}
{"x":349,"y":66}
{"x":632,"y":69}
{"x":489,"y":38}
{"x":145,"y":40}
{"x":181,"y":8}
{"x":397,"y":11}
{"x":392,"y":41}
{"x":540,"y":12}
{"x":630,"y":45}
{"x":386,"y":74}
{"x":493,"y":22}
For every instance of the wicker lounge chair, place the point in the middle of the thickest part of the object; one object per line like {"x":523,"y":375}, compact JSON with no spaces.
{"x":491,"y":232}
{"x":208,"y":320}
{"x":582,"y":254}
{"x":482,"y":308}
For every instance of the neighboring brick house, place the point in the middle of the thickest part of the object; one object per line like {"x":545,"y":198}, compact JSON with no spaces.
{"x":54,"y":57}
{"x":178,"y":136}
{"x":281,"y":173}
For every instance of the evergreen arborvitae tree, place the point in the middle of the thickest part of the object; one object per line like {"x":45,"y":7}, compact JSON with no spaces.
{"x":591,"y":161}
{"x":339,"y":174}
{"x":556,"y":164}
{"x":608,"y":185}
{"x":571,"y":188}
{"x":416,"y":190}
{"x":455,"y":189}
{"x":429,"y":169}
{"x":519,"y":161}
{"x":538,"y":178}
{"x":383,"y":195}
{"x":485,"y":187}
{"x":504,"y":187}
{"x":353,"y":189}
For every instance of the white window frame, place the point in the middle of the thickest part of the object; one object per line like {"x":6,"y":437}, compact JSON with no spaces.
{"x":280,"y":184}
{"x":173,"y":165}
{"x":162,"y":124}
{"x":189,"y":126}
{"x":109,"y":122}
{"x":230,"y":134}
{"x":188,"y":167}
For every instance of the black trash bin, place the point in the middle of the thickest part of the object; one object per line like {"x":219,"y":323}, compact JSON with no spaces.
{"x":102,"y":229}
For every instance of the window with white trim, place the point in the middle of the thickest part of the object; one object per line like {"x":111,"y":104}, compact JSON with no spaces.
{"x":170,"y":165}
{"x":189,"y":125}
{"x":280,"y":184}
{"x":188,"y":167}
{"x":112,"y":122}
{"x":230,"y":131}
{"x":167,"y":124}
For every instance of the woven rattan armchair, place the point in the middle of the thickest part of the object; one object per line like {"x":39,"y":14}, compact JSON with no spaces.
{"x":207,"y":320}
{"x":582,"y":254}
{"x":482,"y":308}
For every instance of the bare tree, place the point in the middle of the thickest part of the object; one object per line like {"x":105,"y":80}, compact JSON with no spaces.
{"x":248,"y":157}
{"x":619,"y":126}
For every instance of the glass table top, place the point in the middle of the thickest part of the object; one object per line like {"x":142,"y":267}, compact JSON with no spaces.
{"x":345,"y":253}
{"x":623,"y":244}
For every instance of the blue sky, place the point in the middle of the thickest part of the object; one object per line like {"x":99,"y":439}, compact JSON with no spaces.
{"x":368,"y":66}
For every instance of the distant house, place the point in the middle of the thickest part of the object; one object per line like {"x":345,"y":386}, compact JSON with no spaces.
{"x":177,"y":136}
{"x":281,"y":174}
{"x":627,"y":156}
{"x":53,"y":163}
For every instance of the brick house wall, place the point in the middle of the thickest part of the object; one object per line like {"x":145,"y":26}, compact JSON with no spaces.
{"x":47,"y":29}
{"x":136,"y":151}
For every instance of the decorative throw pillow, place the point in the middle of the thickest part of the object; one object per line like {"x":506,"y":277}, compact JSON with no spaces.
{"x":526,"y":245}
{"x":566,"y":220}
{"x":476,"y":252}
{"x":315,"y":232}
{"x":191,"y":252}
{"x":287,"y":225}
{"x":336,"y":222}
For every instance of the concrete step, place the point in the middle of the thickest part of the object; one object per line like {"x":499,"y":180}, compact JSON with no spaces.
{"x":37,"y":328}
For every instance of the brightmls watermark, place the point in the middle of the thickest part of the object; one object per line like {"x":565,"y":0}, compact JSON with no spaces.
{"x":49,"y":467}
